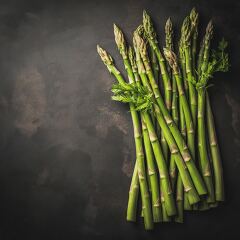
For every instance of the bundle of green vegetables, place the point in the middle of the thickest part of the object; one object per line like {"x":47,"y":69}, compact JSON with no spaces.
{"x":178,"y":165}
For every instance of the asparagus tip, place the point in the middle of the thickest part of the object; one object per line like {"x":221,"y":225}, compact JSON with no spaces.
{"x":171,"y":58}
{"x":194,"y":17}
{"x":169,"y":21}
{"x":115,"y":28}
{"x":106,"y":58}
{"x":186,"y":30}
{"x":209,"y":28}
{"x":168,"y":26}
{"x":209,"y":32}
{"x":148,"y":26}
{"x":169,"y":33}
{"x":140,"y":44}
{"x":140,"y":30}
{"x":120,"y":41}
{"x":145,"y":13}
{"x":132,"y":59}
{"x":118,"y":35}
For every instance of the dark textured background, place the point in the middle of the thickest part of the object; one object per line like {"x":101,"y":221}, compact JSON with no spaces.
{"x":66,"y":150}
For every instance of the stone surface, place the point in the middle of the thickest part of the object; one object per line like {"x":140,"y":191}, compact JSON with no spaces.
{"x":66,"y":149}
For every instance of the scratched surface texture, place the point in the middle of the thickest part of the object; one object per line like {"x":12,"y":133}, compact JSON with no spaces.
{"x":66,"y":150}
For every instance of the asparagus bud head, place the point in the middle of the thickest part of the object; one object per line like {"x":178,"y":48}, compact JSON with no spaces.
{"x":148,"y":26}
{"x":209,"y":32}
{"x":169,"y":34}
{"x":181,"y":48}
{"x":172,"y":59}
{"x":120,"y":41}
{"x":106,"y":58}
{"x":194,"y":18}
{"x":186,"y":31}
{"x":132,"y":59}
{"x":141,"y":45}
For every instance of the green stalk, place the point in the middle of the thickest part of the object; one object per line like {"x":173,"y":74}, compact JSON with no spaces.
{"x":215,"y":153}
{"x":151,"y":36}
{"x":202,"y":143}
{"x":194,"y":23}
{"x":154,"y":64}
{"x":186,"y":34}
{"x":197,"y":179}
{"x":162,"y":167}
{"x":133,"y":197}
{"x":179,"y":200}
{"x":121,"y":44}
{"x":182,"y":168}
{"x":200,"y":58}
{"x":172,"y":166}
{"x":147,"y":211}
{"x":148,"y":219}
{"x":174,"y":107}
{"x":187,"y":180}
{"x":183,"y":67}
{"x":185,"y":176}
{"x":151,"y":168}
{"x":175,"y":102}
{"x":172,"y":59}
{"x":187,"y":115}
{"x":166,"y":218}
{"x":173,"y":172}
{"x":202,"y":146}
{"x":186,"y":204}
{"x":156,"y":73}
{"x":143,"y":76}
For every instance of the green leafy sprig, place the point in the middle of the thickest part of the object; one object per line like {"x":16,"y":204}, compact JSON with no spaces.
{"x":139,"y":96}
{"x":219,"y":62}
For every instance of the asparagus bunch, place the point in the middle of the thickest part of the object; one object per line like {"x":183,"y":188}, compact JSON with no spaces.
{"x":180,"y":167}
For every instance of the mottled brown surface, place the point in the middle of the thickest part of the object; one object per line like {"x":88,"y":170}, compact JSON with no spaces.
{"x":67,"y":151}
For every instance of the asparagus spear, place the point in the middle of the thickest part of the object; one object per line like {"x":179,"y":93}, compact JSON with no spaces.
{"x":167,"y":123}
{"x":181,"y":197}
{"x":133,"y":196}
{"x":179,"y":200}
{"x":202,"y":144}
{"x":174,"y":109}
{"x":166,"y":81}
{"x":215,"y":153}
{"x":218,"y":62}
{"x":186,"y":32}
{"x":170,"y":207}
{"x":154,"y":64}
{"x":214,"y":147}
{"x":107,"y":60}
{"x":155,"y":68}
{"x":182,"y":60}
{"x":168,"y":204}
{"x":183,"y":67}
{"x":142,"y":74}
{"x":194,"y":26}
{"x":172,"y":59}
{"x":132,"y":75}
{"x":194,"y":23}
{"x":151,"y":167}
{"x":198,"y":182}
{"x":152,"y":39}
